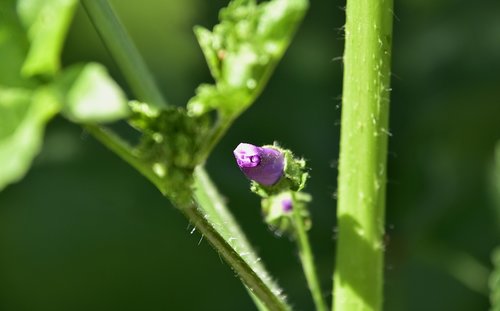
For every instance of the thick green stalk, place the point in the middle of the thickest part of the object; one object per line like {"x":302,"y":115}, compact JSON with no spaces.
{"x":358,"y":276}
{"x":211,"y":216}
{"x":307,"y":260}
{"x":124,"y":52}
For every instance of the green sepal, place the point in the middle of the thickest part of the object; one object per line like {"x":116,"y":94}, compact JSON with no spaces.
{"x":294,"y":175}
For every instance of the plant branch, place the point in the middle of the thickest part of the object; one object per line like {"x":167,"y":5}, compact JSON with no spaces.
{"x":124,"y":151}
{"x":358,"y":276}
{"x":237,"y":253}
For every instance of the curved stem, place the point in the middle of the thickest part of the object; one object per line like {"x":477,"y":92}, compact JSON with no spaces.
{"x":307,"y":259}
{"x":123,"y":150}
{"x":358,"y":276}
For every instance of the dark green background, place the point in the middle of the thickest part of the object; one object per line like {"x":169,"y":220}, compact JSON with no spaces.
{"x":84,"y":231}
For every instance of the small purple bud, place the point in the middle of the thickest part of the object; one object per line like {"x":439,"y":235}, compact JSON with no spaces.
{"x":261,"y":164}
{"x":286,"y":205}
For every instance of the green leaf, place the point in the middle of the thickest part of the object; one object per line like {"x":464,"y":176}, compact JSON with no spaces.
{"x":13,"y":47}
{"x":242,"y":50}
{"x":209,"y":45}
{"x":46,"y":22}
{"x":23,"y":115}
{"x":91,"y":95}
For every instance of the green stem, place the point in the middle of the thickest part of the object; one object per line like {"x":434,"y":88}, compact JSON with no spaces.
{"x":124,"y":151}
{"x":212,"y":203}
{"x":358,"y":276}
{"x":124,"y":52}
{"x":307,"y":259}
{"x":253,"y":282}
{"x":226,"y":120}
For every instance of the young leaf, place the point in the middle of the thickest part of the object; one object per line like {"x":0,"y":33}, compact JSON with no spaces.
{"x":23,"y":115}
{"x":46,"y":22}
{"x":242,"y":50}
{"x":91,"y":95}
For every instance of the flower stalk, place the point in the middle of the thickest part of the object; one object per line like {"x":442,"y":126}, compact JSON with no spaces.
{"x":358,"y":275}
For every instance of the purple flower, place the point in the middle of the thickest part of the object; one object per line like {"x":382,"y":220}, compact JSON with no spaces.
{"x":261,"y":164}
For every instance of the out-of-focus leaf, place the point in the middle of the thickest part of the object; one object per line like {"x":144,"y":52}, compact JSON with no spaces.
{"x":23,"y":115}
{"x":91,"y":95}
{"x":495,"y":281}
{"x":13,"y":47}
{"x":46,"y":22}
{"x":242,"y":50}
{"x":209,"y":44}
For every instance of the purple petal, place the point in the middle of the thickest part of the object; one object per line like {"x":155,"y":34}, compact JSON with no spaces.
{"x":261,"y":164}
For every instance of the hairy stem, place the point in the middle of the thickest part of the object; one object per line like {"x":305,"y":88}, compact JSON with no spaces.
{"x":358,"y":276}
{"x":307,"y":260}
{"x":213,"y":204}
{"x":253,"y":282}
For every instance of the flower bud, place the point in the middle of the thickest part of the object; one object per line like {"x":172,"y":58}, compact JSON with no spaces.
{"x":262,"y":164}
{"x":286,"y":204}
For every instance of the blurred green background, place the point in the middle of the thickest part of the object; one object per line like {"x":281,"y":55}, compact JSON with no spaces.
{"x":84,"y":231}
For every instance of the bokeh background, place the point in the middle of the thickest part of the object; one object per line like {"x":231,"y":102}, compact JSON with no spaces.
{"x":84,"y":231}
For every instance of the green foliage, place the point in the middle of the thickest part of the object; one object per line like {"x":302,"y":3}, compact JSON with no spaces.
{"x":91,"y":95}
{"x":242,"y":50}
{"x":23,"y":114}
{"x":84,"y":93}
